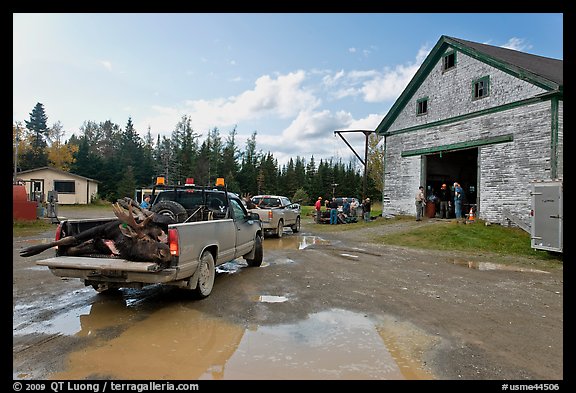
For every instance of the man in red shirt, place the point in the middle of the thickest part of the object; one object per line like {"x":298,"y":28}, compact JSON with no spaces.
{"x":318,"y":207}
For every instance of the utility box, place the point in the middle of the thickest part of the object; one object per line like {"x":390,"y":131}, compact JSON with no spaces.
{"x":547,"y":215}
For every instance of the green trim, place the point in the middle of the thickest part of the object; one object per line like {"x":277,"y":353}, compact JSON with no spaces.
{"x":435,"y":55}
{"x":485,"y":80}
{"x":459,"y":146}
{"x":472,"y":115}
{"x":554,"y":115}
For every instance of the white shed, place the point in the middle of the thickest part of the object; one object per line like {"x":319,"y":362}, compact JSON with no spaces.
{"x":71,"y":188}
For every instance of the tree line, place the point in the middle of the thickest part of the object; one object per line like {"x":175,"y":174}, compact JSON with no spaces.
{"x":123,"y":161}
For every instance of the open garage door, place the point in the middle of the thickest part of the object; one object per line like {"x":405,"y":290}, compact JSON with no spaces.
{"x":454,"y":166}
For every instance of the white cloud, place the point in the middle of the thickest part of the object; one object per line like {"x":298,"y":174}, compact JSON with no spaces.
{"x":312,"y":134}
{"x":518,"y":44}
{"x":283,"y":96}
{"x":107,"y":64}
{"x":372,"y":85}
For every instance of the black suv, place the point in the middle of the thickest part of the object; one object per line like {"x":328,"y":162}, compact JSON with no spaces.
{"x":191,"y":203}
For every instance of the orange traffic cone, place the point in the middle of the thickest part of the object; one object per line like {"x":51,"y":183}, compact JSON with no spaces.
{"x":471,"y":214}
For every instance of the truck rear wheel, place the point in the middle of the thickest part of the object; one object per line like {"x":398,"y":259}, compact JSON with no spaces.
{"x":206,"y":275}
{"x":280,"y":229}
{"x":296,"y":227}
{"x":172,"y":209}
{"x":258,"y":253}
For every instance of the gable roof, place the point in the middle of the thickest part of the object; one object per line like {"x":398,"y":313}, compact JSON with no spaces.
{"x":543,"y":72}
{"x":58,"y":171}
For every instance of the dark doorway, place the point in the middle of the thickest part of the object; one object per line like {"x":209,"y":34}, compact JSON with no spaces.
{"x":456,"y":166}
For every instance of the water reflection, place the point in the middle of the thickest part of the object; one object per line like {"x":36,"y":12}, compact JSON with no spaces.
{"x":297,"y":242}
{"x":177,"y":342}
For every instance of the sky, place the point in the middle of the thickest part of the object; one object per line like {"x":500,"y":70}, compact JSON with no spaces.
{"x":293,"y":78}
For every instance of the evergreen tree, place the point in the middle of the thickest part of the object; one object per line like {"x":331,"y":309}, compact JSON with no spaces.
{"x":38,"y":125}
{"x":229,"y":167}
{"x":37,"y":157}
{"x":249,"y":171}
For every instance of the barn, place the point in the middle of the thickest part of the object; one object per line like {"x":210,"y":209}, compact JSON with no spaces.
{"x":71,"y":189}
{"x":484,"y":116}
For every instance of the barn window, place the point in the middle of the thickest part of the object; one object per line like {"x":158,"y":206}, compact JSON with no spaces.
{"x":480,"y":88}
{"x":422,"y":106}
{"x":65,"y":186}
{"x":449,"y":61}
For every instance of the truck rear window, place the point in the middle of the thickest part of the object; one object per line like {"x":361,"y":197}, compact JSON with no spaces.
{"x":187,"y":199}
{"x":267,"y":202}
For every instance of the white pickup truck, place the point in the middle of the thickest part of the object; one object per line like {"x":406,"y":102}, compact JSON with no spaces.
{"x":207,"y":237}
{"x":276,"y":212}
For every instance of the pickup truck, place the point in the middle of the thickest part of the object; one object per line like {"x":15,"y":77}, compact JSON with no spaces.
{"x":210,"y":236}
{"x":276,"y":212}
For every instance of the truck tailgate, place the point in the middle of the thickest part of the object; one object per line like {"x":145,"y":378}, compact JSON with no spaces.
{"x":87,"y":263}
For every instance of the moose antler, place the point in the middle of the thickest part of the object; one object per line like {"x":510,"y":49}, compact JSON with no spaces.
{"x":247,"y":197}
{"x":129,"y":218}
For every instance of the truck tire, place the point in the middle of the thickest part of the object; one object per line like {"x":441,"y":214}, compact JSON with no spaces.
{"x":258,"y":253}
{"x":280,"y":229}
{"x":296,"y":227}
{"x":172,"y":209}
{"x":206,"y":275}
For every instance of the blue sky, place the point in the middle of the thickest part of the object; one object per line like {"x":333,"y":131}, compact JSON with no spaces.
{"x":294,"y":78}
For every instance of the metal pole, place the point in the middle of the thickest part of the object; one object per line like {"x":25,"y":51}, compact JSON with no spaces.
{"x":367,"y":133}
{"x":16,"y":156}
{"x":365,"y":161}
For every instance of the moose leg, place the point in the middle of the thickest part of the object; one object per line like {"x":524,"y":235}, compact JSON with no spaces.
{"x":37,"y":249}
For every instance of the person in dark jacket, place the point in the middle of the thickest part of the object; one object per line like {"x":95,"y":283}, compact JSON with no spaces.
{"x":333,"y":211}
{"x":366,"y":207}
{"x":445,"y":201}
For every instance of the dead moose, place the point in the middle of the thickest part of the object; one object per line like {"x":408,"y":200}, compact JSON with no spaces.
{"x":123,"y":238}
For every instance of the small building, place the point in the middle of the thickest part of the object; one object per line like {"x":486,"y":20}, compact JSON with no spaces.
{"x":71,"y":189}
{"x":484,"y":116}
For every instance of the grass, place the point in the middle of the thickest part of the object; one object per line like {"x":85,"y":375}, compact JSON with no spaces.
{"x":32,"y":227}
{"x":450,"y":236}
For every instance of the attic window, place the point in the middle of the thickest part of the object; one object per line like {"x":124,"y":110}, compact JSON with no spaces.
{"x":480,"y":88}
{"x":449,"y":61}
{"x":422,"y":106}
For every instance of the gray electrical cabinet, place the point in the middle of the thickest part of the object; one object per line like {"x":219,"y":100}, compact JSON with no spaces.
{"x":547,"y":215}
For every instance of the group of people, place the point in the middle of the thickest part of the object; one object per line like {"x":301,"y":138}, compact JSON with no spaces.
{"x":446,"y":198}
{"x":349,"y":209}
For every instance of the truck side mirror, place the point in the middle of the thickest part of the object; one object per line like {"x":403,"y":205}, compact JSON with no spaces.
{"x":254,"y":216}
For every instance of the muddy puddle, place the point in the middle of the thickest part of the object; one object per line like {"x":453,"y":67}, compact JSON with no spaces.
{"x":293,"y":242}
{"x":495,"y":266}
{"x":179,"y":342}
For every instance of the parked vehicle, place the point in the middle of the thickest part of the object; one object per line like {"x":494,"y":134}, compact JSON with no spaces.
{"x":277,"y":212}
{"x":209,"y":227}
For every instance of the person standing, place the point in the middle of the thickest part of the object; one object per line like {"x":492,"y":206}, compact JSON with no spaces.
{"x":318,"y":207}
{"x":333,"y":211}
{"x":345,"y":206}
{"x":420,"y":203}
{"x":458,"y":200}
{"x":354,"y":206}
{"x":366,"y":207}
{"x":445,"y":203}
